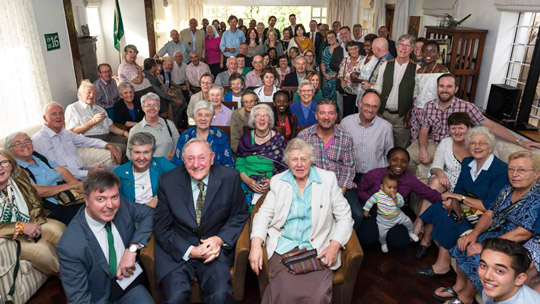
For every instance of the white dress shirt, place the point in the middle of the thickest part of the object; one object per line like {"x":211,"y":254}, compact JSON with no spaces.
{"x":178,"y":74}
{"x":98,"y":228}
{"x":393,"y":97}
{"x":78,"y":113}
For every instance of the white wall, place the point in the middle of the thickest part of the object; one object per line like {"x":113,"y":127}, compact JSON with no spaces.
{"x":50,"y":18}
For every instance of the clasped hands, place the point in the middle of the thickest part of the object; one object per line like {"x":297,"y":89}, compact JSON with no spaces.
{"x":451,"y":203}
{"x":208,"y":250}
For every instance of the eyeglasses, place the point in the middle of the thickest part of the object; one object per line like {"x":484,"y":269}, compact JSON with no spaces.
{"x":407,"y":46}
{"x":519,"y":171}
{"x":479,"y":144}
{"x":21,"y":143}
{"x":152,"y":105}
{"x":260,"y":116}
{"x":5,"y":163}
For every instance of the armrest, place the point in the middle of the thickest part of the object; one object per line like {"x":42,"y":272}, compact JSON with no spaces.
{"x":148,"y":260}
{"x":351,"y":258}
{"x":240,"y":263}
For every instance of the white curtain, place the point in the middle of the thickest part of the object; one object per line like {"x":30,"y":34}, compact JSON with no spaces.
{"x":518,"y":5}
{"x":379,"y":14}
{"x":188,"y":9}
{"x":442,"y":7}
{"x":401,"y":19}
{"x":340,"y":10}
{"x":24,"y":86}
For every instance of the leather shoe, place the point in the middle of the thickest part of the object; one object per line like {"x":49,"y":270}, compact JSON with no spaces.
{"x":430,"y":273}
{"x":422,"y":252}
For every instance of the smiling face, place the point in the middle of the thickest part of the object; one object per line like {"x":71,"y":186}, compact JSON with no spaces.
{"x":499,"y":280}
{"x":398,"y":162}
{"x":353,"y":51}
{"x":131,"y":55}
{"x":272,"y":21}
{"x":299,"y":32}
{"x":141,"y":155}
{"x":522,"y":180}
{"x":88,"y":95}
{"x":458,"y":132}
{"x":281,"y":103}
{"x":257,"y":63}
{"x":404,"y":49}
{"x":248,"y":102}
{"x":326,"y":116}
{"x":383,"y":32}
{"x":5,"y":172}
{"x":194,"y":58}
{"x":241,"y":62}
{"x":151,"y":109}
{"x":283,"y":63}
{"x":300,"y":65}
{"x":175,"y":36}
{"x":203,"y":119}
{"x":215,"y":97}
{"x":306,"y":94}
{"x":446,"y":89}
{"x":102,"y":206}
{"x":268,"y":79}
{"x":369,"y":106}
{"x":262,"y":120}
{"x":479,"y":147}
{"x":105,"y":73}
{"x":331,"y":38}
{"x":418,"y":49}
{"x":22,"y":147}
{"x":206,"y":83}
{"x":312,"y":26}
{"x":315,"y":81}
{"x":198,"y":160}
{"x":430,"y":53}
{"x":292,"y":19}
{"x":367,"y":47}
{"x":357,"y":32}
{"x":344,"y":35}
{"x":236,"y":86}
{"x":299,"y":163}
{"x":178,"y":58}
{"x":54,"y":118}
{"x":193,"y":24}
{"x":232,"y":64}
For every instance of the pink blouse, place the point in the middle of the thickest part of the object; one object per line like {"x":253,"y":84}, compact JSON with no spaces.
{"x":213,"y":53}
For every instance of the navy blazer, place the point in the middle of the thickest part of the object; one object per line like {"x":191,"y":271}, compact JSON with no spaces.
{"x":121,"y":112}
{"x":296,"y":109}
{"x":224,"y":215}
{"x":86,"y":277}
{"x":291,"y":80}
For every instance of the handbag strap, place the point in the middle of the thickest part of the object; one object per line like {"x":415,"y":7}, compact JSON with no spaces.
{"x":15,"y":273}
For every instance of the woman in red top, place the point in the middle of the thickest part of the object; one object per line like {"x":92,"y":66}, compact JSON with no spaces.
{"x":284,"y":117}
{"x":213,"y":56}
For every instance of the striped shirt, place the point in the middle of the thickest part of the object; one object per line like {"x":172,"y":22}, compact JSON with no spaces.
{"x":370,"y":154}
{"x":385,"y":204}
{"x":338,"y":157}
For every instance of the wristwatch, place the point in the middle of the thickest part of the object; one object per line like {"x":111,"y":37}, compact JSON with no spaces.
{"x":462,"y":198}
{"x":133,"y":248}
{"x":518,"y":140}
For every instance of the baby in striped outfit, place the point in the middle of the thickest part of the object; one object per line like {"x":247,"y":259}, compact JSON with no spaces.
{"x":389,"y":214}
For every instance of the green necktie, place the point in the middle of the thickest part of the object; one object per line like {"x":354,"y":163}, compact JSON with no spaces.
{"x":200,"y":203}
{"x":112,"y":252}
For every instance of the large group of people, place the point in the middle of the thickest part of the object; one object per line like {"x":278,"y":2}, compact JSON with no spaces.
{"x":315,"y":125}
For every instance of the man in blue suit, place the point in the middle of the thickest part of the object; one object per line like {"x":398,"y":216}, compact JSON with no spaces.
{"x":200,"y":214}
{"x":305,"y":108}
{"x":101,"y":243}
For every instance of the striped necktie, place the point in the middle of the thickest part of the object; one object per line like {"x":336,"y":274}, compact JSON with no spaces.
{"x":112,"y":251}
{"x":200,"y":203}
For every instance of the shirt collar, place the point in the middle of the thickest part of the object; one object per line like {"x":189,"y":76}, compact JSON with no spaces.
{"x":313,"y":177}
{"x":24,"y":164}
{"x":486,"y":165}
{"x":50,"y":132}
{"x":370,"y":124}
{"x":84,"y":105}
{"x":195,"y":182}
{"x":104,"y":82}
{"x":95,"y":226}
{"x":145,"y":123}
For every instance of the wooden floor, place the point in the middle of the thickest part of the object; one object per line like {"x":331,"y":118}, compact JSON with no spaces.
{"x":383,"y":278}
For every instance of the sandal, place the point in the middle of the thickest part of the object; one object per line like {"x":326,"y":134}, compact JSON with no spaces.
{"x":449,"y":290}
{"x":455,"y":300}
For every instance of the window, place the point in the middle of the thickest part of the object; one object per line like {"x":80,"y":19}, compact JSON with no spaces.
{"x":520,"y":59}
{"x":318,"y":14}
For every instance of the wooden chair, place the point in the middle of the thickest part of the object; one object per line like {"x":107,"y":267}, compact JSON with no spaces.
{"x":291,"y":91}
{"x":233,"y":105}
{"x":238,"y":273}
{"x":227,"y":130}
{"x":344,"y":277}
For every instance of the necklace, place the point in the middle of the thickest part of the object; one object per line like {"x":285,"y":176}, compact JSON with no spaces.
{"x":255,"y":132}
{"x":432,"y":69}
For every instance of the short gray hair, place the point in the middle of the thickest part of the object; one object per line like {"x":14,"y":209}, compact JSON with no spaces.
{"x":196,"y":140}
{"x":203,"y":104}
{"x":149,"y":96}
{"x":481,"y":130}
{"x":84,"y":84}
{"x":306,"y":82}
{"x":50,"y":104}
{"x":124,"y":85}
{"x":407,"y":37}
{"x":298,"y":144}
{"x":10,"y":138}
{"x":141,"y":139}
{"x":217,"y":87}
{"x":298,"y":57}
{"x":264,"y":106}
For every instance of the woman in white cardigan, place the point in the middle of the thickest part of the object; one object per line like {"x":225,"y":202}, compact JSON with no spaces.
{"x":305,"y":208}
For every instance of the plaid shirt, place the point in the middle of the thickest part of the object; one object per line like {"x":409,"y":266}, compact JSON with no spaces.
{"x":338,"y":158}
{"x":436,"y":119}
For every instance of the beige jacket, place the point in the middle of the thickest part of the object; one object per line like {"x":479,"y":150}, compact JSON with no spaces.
{"x":185,"y":35}
{"x":237,"y":123}
{"x":330,"y":213}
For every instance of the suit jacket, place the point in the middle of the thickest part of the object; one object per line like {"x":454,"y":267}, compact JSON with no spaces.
{"x":121,"y":111}
{"x":392,"y":47}
{"x":318,"y":41}
{"x":296,"y":109}
{"x":330,"y":213}
{"x":224,"y":215}
{"x":185,"y":35}
{"x":86,"y":277}
{"x":158,"y":166}
{"x":265,"y":32}
{"x":291,"y":80}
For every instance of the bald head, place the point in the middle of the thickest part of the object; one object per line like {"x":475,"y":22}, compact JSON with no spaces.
{"x":380,"y":47}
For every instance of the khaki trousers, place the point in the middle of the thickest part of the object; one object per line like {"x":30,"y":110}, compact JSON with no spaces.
{"x":42,"y":254}
{"x":402,"y":135}
{"x":414,"y":163}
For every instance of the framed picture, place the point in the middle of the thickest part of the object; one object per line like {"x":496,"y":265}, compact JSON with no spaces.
{"x":414,"y":25}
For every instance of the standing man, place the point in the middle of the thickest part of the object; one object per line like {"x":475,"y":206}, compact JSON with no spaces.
{"x":231,"y":39}
{"x":316,"y":37}
{"x":357,"y":33}
{"x":292,"y":20}
{"x":194,"y":38}
{"x":334,"y":151}
{"x":383,"y":32}
{"x":98,"y":250}
{"x":372,"y":135}
{"x":200,"y":213}
{"x":395,"y":82}
{"x":107,"y":89}
{"x":204,"y":25}
{"x":271,"y":26}
{"x":175,"y":45}
{"x":222,"y":78}
{"x":194,"y":71}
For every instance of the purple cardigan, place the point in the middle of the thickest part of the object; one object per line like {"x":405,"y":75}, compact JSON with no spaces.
{"x":407,"y":183}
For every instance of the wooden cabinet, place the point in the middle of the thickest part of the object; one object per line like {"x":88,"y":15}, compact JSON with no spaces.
{"x":464,"y":57}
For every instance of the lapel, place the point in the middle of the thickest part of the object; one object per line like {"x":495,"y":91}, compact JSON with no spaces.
{"x":154,"y":174}
{"x":120,"y":224}
{"x":316,"y":205}
{"x":214,"y":183}
{"x":187,"y":194}
{"x":94,"y":245}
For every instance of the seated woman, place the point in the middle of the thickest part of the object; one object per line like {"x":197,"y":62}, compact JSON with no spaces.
{"x":285,"y":222}
{"x":140,"y":175}
{"x":283,"y":68}
{"x":398,"y":160}
{"x":268,"y":89}
{"x":236,"y":83}
{"x":242,"y":68}
{"x":315,"y":79}
{"x":127,"y":111}
{"x":203,"y":113}
{"x":23,"y":218}
{"x":311,"y":64}
{"x":240,"y":117}
{"x":46,"y":177}
{"x":260,"y":152}
{"x":512,"y":216}
{"x":446,"y":167}
{"x":482,"y":177}
{"x":282,"y":111}
{"x":222,"y":114}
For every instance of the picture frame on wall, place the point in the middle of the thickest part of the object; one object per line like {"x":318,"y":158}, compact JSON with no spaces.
{"x":414,"y":25}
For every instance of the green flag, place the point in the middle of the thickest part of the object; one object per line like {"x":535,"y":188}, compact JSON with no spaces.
{"x":118,"y":26}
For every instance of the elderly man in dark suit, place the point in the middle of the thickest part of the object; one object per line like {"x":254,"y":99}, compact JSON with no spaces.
{"x":200,"y":213}
{"x":99,"y":248}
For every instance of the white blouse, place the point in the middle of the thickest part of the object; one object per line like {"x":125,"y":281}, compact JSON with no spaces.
{"x":445,"y":160}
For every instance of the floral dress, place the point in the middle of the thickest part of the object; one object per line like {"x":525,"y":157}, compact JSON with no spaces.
{"x":346,"y":68}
